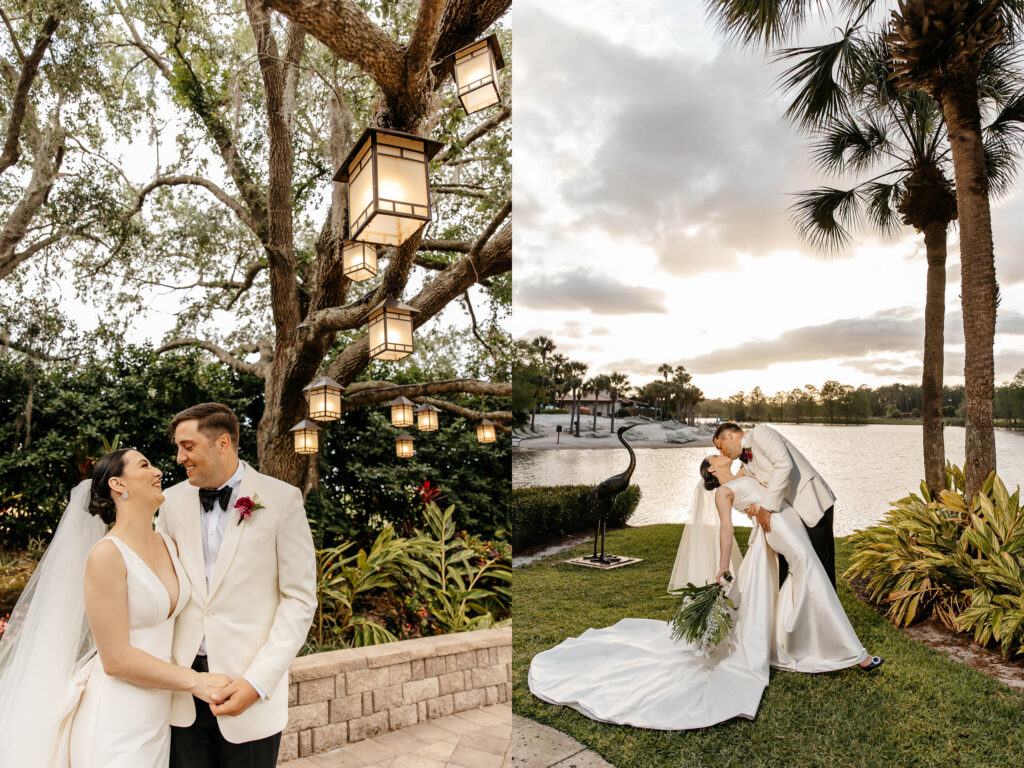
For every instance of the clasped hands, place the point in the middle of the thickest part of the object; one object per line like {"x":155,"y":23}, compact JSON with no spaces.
{"x":224,"y":695}
{"x":763,"y":516}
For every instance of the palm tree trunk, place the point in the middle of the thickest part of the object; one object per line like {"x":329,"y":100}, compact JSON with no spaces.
{"x":931,"y":378}
{"x":978,"y":289}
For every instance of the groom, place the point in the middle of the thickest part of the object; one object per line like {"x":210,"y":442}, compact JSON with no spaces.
{"x":244,"y":541}
{"x":775,"y":463}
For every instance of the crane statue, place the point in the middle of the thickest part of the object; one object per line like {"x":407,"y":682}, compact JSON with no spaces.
{"x":602,"y":497}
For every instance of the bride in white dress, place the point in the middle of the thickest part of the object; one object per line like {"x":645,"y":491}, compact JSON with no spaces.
{"x":85,"y":671}
{"x":634,"y":673}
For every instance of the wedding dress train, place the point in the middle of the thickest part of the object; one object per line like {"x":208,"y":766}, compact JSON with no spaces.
{"x":633,"y":673}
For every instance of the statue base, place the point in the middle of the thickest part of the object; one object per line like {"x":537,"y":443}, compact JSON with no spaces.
{"x":609,"y":562}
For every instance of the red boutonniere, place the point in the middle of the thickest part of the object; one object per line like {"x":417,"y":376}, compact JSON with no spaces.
{"x":746,"y":455}
{"x":246,"y":507}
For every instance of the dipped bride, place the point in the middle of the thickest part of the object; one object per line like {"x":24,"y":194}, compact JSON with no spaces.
{"x":634,"y":673}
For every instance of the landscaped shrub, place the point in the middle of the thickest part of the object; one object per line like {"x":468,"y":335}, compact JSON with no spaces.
{"x":544,"y":512}
{"x":958,"y":561}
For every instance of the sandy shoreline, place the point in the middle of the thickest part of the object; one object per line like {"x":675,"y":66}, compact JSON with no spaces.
{"x":654,"y":432}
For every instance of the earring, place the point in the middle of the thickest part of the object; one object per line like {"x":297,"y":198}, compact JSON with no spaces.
{"x":124,"y":495}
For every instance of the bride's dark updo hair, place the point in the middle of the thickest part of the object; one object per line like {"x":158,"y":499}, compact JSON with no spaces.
{"x":710,"y":481}
{"x":101,"y":504}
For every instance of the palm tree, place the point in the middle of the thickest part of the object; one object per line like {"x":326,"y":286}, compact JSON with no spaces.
{"x":903,"y":132}
{"x":545,"y":346}
{"x":617,"y":382}
{"x":937,"y":46}
{"x":575,"y":371}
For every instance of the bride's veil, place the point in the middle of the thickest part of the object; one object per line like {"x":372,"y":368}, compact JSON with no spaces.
{"x":697,"y":557}
{"x":47,"y":639}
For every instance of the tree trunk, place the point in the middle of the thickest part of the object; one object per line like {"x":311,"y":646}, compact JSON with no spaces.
{"x":931,"y":379}
{"x":978,"y":288}
{"x":595,"y":411}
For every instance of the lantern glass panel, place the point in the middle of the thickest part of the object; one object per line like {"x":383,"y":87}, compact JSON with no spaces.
{"x":426,"y":421}
{"x":401,"y":415}
{"x":403,"y":448}
{"x":307,"y":441}
{"x":476,"y":77}
{"x":389,"y":198}
{"x":390,"y":334}
{"x":324,"y":404}
{"x":485,"y":433}
{"x":360,"y":261}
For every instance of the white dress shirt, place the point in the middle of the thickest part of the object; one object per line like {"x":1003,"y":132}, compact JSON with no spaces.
{"x":215,"y":524}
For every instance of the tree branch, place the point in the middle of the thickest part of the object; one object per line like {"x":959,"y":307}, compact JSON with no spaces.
{"x":171,"y":181}
{"x":459,"y":246}
{"x":343,"y":27}
{"x":363,"y":393}
{"x":477,"y":133}
{"x":257,"y":369}
{"x":11,"y":150}
{"x":422,"y":42}
{"x":493,"y":258}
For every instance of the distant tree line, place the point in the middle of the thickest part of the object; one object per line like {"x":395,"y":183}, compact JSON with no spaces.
{"x":837,"y":403}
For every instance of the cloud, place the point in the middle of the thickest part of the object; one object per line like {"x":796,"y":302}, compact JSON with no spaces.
{"x":600,"y":294}
{"x":858,"y":341}
{"x":684,"y":154}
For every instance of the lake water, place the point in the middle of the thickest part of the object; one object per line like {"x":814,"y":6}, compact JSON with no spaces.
{"x":866,"y":466}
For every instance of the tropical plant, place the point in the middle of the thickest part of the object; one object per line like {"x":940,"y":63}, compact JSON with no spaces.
{"x":454,"y":583}
{"x":957,"y":560}
{"x":342,"y":579}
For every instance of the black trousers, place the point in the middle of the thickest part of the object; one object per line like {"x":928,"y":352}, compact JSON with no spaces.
{"x":824,"y":544}
{"x":201,"y":744}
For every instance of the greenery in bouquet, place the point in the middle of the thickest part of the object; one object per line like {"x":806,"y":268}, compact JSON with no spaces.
{"x":704,"y":615}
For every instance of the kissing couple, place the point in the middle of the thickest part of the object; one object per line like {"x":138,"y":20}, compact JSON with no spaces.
{"x":135,"y":647}
{"x":635,"y":673}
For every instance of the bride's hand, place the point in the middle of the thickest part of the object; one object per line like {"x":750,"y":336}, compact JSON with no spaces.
{"x":718,"y":578}
{"x":209,"y":685}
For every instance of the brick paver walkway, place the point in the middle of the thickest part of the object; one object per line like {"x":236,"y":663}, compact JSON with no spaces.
{"x":476,"y":738}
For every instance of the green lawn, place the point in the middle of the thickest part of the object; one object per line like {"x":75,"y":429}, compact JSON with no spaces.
{"x":918,"y":709}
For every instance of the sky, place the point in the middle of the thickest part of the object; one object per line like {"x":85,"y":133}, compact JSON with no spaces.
{"x":653,"y":170}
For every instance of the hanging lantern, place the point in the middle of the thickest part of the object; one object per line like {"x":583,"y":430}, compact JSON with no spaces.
{"x":485,"y":432}
{"x":324,"y":396}
{"x":475,"y":72}
{"x":403,"y":445}
{"x":359,"y":261}
{"x":388,"y":192}
{"x":390,"y":326}
{"x":426,"y":418}
{"x":401,"y":412}
{"x":307,"y":437}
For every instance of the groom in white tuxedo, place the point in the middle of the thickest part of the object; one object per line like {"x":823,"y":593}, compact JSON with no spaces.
{"x":245,"y":543}
{"x":776,"y":464}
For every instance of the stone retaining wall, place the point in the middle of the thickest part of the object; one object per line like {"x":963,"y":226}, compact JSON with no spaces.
{"x":338,"y":697}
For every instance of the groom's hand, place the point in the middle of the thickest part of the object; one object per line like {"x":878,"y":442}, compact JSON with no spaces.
{"x":238,"y":697}
{"x":764,"y":517}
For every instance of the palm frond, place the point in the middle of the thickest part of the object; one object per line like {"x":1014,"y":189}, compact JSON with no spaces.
{"x":848,"y":145}
{"x":881,"y":200}
{"x":765,"y":22}
{"x":819,"y":78}
{"x":1003,"y":140}
{"x":824,"y":216}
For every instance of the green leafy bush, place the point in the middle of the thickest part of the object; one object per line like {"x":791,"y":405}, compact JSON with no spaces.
{"x":431,"y":583}
{"x":957,"y":560}
{"x":544,"y":512}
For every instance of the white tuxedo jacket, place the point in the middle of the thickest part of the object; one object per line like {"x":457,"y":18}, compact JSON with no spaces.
{"x":260,"y":602}
{"x":787,"y":475}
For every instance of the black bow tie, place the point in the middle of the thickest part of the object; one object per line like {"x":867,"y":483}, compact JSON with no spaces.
{"x":207,"y":496}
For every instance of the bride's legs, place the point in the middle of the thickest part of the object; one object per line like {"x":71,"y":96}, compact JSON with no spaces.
{"x":812,"y":632}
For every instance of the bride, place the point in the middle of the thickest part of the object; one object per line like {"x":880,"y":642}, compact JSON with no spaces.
{"x":85,"y":672}
{"x":633,"y":673}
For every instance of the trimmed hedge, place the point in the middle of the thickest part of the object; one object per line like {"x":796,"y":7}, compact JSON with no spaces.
{"x":544,"y":512}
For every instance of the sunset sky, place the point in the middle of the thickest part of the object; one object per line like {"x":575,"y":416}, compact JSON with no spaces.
{"x":653,"y":171}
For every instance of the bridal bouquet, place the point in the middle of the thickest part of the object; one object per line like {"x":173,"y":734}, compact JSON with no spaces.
{"x":704,"y":615}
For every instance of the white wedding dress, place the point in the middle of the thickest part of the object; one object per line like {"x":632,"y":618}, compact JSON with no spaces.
{"x":633,"y":673}
{"x":111,"y":723}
